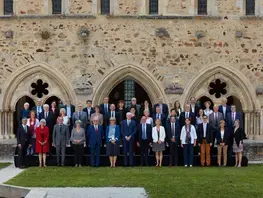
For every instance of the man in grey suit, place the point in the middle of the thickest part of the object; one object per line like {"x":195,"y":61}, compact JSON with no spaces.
{"x":60,"y":140}
{"x":214,"y":120}
{"x":82,"y":116}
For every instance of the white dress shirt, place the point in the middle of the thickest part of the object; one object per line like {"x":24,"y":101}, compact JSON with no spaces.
{"x":69,"y":111}
{"x":222,"y":134}
{"x":155,"y":134}
{"x":207,"y":112}
{"x":192,"y":134}
{"x":204,"y":128}
{"x":224,"y":110}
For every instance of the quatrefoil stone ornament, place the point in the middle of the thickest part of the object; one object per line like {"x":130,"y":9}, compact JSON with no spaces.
{"x":218,"y":88}
{"x":39,"y":88}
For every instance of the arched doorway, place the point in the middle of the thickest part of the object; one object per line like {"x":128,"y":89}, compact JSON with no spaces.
{"x":126,"y":90}
{"x":19,"y":106}
{"x":233,"y":100}
{"x":201,"y":101}
{"x":52,"y":99}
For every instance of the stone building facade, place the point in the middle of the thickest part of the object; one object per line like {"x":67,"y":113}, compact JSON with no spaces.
{"x":174,"y":55}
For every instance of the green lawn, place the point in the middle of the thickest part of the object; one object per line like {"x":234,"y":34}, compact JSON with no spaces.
{"x":162,"y":182}
{"x":3,"y":165}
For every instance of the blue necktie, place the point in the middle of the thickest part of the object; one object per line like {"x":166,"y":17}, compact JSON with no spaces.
{"x":143,"y":132}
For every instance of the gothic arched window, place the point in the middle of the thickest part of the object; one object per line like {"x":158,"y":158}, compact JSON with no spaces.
{"x":202,"y":7}
{"x":105,"y":6}
{"x":250,"y":7}
{"x":153,"y":6}
{"x":56,"y":7}
{"x":218,"y":88}
{"x":8,"y":7}
{"x":39,"y":88}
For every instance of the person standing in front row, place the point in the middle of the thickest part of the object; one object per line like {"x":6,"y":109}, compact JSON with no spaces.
{"x":95,"y":134}
{"x":112,"y":140}
{"x":173,"y":133}
{"x":158,"y":135}
{"x":42,"y":142}
{"x":128,"y":131}
{"x":205,"y":140}
{"x":23,"y":142}
{"x":60,"y":140}
{"x":223,"y":138}
{"x":144,"y":132}
{"x":238,"y":143}
{"x":78,"y":138}
{"x":188,"y":142}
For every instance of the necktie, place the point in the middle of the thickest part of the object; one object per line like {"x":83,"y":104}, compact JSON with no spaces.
{"x":38,"y":109}
{"x":143,"y":132}
{"x":46,"y":115}
{"x":173,"y":130}
{"x":79,"y":115}
{"x":204,"y":130}
{"x":233,"y":116}
{"x":216,"y":119}
{"x":25,"y":129}
{"x":88,"y":113}
{"x":96,"y":128}
{"x":187,"y":115}
{"x":128,"y":122}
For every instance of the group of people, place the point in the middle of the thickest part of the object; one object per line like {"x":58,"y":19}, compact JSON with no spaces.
{"x":140,"y":125}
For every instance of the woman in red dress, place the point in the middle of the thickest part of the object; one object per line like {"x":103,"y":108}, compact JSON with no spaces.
{"x":42,"y":142}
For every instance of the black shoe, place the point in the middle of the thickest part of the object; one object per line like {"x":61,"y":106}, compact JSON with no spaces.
{"x":62,"y":165}
{"x":58,"y":164}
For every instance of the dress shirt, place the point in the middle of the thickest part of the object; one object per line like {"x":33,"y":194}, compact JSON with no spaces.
{"x":69,"y":111}
{"x":144,"y":136}
{"x":224,"y":110}
{"x":222,"y":134}
{"x":204,"y":128}
{"x":128,"y":122}
{"x":161,"y":107}
{"x":112,"y":113}
{"x":25,"y":128}
{"x":173,"y":129}
{"x":46,"y":114}
{"x":186,"y":114}
{"x":207,"y":112}
{"x":193,"y":108}
{"x":88,"y":111}
{"x":106,"y":108}
{"x":233,"y":116}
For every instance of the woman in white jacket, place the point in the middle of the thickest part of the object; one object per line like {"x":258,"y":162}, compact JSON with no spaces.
{"x":188,"y":142}
{"x":158,"y":135}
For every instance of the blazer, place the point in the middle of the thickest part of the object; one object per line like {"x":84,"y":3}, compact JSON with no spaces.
{"x":95,"y":137}
{"x":108,"y":116}
{"x":238,"y":136}
{"x":24,"y":114}
{"x":165,"y":110}
{"x":209,"y":133}
{"x":196,"y":111}
{"x":230,"y":122}
{"x":137,"y":108}
{"x":91,"y":110}
{"x":148,"y":133}
{"x":50,"y":120}
{"x":228,"y":110}
{"x":192,"y":134}
{"x":227,"y":136}
{"x":128,"y":130}
{"x":182,"y":119}
{"x":102,"y":109}
{"x":155,"y":134}
{"x":100,"y":118}
{"x":60,"y":138}
{"x":22,"y":136}
{"x":169,"y":131}
{"x":117,"y":134}
{"x":72,"y":110}
{"x":83,"y":118}
{"x":212,"y":120}
{"x":38,"y":113}
{"x":163,"y":119}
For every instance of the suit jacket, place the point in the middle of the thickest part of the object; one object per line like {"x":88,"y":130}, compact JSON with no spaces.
{"x":22,"y":136}
{"x":60,"y":138}
{"x":108,"y":116}
{"x":230,"y":122}
{"x":227,"y":136}
{"x":37,"y":113}
{"x":50,"y":120}
{"x":196,"y":111}
{"x":212,"y":119}
{"x":95,"y":137}
{"x":72,"y":110}
{"x":238,"y":136}
{"x":165,"y":110}
{"x":161,"y":133}
{"x":23,"y":114}
{"x":182,"y":119}
{"x":177,"y":132}
{"x":102,"y":109}
{"x":163,"y":119}
{"x":128,"y":130}
{"x":209,"y":133}
{"x":100,"y":116}
{"x":83,"y":118}
{"x":117,"y":134}
{"x":91,"y":110}
{"x":137,"y":108}
{"x":228,"y":110}
{"x":148,"y":133}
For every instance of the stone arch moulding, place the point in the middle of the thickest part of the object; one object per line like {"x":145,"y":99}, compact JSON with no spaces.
{"x":140,"y":75}
{"x":19,"y":75}
{"x":247,"y":95}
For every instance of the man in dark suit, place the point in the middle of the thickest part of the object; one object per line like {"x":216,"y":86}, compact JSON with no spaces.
{"x":232,"y":116}
{"x":38,"y":109}
{"x":173,"y":135}
{"x":163,"y":107}
{"x":112,"y":114}
{"x":186,"y":114}
{"x":24,"y":113}
{"x":89,"y":110}
{"x":80,"y":115}
{"x":205,"y":140}
{"x":224,"y":108}
{"x":105,"y":107}
{"x":160,"y":116}
{"x":136,"y":106}
{"x":194,"y":108}
{"x":172,"y":114}
{"x":214,"y":120}
{"x":23,"y":142}
{"x":144,"y":134}
{"x":128,"y":131}
{"x":70,"y":109}
{"x":50,"y":119}
{"x":95,"y":133}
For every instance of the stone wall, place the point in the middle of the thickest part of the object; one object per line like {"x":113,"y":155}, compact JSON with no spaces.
{"x":128,"y":7}
{"x":180,"y":7}
{"x":80,"y":6}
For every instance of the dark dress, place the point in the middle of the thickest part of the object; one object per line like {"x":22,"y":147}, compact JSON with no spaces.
{"x":112,"y":149}
{"x":158,"y":147}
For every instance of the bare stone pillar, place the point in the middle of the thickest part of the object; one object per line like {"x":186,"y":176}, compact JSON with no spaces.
{"x":6,"y":124}
{"x":11,"y":124}
{"x":246,"y":123}
{"x":1,"y":126}
{"x":252,"y":124}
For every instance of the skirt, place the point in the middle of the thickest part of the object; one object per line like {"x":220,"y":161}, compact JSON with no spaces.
{"x":237,"y":149}
{"x":113,"y":149}
{"x":158,"y":147}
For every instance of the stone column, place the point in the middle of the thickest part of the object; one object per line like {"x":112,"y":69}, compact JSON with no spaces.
{"x":1,"y":7}
{"x":11,"y":124}
{"x":1,"y":126}
{"x":255,"y":123}
{"x":252,"y":124}
{"x":6,"y":124}
{"x":261,"y":122}
{"x":143,"y":8}
{"x":246,"y":122}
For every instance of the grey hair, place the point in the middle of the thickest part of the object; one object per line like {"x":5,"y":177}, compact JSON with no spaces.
{"x":62,"y":109}
{"x":44,"y":121}
{"x":46,"y":105}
